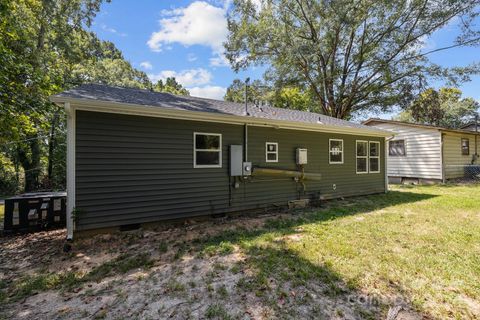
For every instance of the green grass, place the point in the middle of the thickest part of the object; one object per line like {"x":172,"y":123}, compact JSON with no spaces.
{"x":44,"y":280}
{"x":419,"y":244}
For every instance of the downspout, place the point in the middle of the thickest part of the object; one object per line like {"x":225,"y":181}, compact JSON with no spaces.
{"x":387,"y":139}
{"x":70,"y":111}
{"x":442,"y":156}
{"x":476,"y":135}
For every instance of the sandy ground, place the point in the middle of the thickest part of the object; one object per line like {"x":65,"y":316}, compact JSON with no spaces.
{"x":174,"y":286}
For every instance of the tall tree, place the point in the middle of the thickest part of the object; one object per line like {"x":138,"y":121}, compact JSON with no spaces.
{"x":444,"y":108}
{"x":352,"y":55}
{"x":259,"y":92}
{"x":45,"y":48}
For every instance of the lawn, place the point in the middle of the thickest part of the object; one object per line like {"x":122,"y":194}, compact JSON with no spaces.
{"x":415,"y":250}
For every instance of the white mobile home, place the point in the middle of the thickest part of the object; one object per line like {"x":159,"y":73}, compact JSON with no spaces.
{"x":427,"y":153}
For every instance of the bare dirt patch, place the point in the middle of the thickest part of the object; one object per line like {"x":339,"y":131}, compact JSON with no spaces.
{"x":176,"y":272}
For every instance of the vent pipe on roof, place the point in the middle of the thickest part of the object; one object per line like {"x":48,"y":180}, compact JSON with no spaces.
{"x":246,"y":96}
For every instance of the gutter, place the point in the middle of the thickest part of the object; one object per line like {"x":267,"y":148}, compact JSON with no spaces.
{"x":152,"y":111}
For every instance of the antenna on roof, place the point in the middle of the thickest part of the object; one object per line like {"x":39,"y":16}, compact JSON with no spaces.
{"x":246,"y":95}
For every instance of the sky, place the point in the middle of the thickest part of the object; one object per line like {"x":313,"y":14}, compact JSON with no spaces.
{"x":184,"y":39}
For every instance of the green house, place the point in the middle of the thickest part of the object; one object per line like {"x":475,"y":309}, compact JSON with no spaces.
{"x":135,"y":157}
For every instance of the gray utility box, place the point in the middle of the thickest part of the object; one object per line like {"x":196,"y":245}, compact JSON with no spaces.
{"x":301,"y":156}
{"x":238,"y":168}
{"x":236,"y":160}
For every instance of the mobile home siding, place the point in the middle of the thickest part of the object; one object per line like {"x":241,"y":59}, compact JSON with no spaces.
{"x":454,"y":161}
{"x":134,"y":169}
{"x":423,"y":152}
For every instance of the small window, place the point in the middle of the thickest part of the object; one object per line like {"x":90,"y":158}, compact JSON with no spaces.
{"x":271,"y":152}
{"x":362,"y":156}
{"x":396,"y":148}
{"x":374,"y":155}
{"x":465,"y":146}
{"x":207,"y":150}
{"x":336,"y":151}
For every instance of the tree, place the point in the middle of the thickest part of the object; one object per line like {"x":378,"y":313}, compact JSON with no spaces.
{"x":259,"y":92}
{"x":44,"y":49}
{"x":170,"y":86}
{"x":351,"y":55}
{"x":444,"y":108}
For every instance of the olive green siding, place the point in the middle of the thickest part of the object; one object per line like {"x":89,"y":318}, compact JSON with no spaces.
{"x":133,"y":169}
{"x":453,"y":159}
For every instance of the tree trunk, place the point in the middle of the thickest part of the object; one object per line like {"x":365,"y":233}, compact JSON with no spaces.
{"x":30,"y":165}
{"x":51,"y":146}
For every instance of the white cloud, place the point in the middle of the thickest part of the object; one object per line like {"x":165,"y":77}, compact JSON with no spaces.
{"x":146,"y":65}
{"x":187,"y":78}
{"x":112,"y":30}
{"x":200,"y":23}
{"x":212,"y":92}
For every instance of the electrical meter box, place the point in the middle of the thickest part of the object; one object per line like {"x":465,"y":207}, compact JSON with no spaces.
{"x":236,"y":160}
{"x":247,"y":169}
{"x":301,"y":156}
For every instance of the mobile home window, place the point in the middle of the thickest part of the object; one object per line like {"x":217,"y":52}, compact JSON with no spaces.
{"x":465,"y":146}
{"x":207,"y":150}
{"x":396,"y":148}
{"x":374,"y":156}
{"x":336,"y":151}
{"x":271,"y":152}
{"x":362,"y":156}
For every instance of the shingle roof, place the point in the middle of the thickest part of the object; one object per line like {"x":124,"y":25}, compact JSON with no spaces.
{"x":166,"y":100}
{"x":373,"y":121}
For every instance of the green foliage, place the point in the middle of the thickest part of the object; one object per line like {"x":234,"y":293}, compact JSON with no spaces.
{"x":170,"y":86}
{"x":444,"y":108}
{"x":44,"y":49}
{"x":350,"y":55}
{"x":276,"y":95}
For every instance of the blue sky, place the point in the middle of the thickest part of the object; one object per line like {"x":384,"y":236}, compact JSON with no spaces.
{"x":184,"y":39}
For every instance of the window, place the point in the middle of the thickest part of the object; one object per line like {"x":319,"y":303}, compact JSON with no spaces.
{"x":374,"y":156}
{"x":465,"y":146}
{"x":207,"y":150}
{"x":271,"y":152}
{"x":336,"y":151}
{"x":362,"y":156}
{"x":396,"y":148}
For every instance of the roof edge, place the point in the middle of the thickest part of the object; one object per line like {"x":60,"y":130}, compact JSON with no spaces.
{"x":147,"y":110}
{"x":369,"y":121}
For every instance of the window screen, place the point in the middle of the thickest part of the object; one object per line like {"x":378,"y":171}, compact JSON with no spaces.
{"x":336,"y":151}
{"x":271,"y":152}
{"x":465,"y":146}
{"x":362,"y":156}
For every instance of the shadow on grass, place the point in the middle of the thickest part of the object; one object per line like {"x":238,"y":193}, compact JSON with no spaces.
{"x":279,"y":271}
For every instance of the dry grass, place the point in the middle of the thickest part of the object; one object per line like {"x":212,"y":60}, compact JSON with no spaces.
{"x":415,"y":249}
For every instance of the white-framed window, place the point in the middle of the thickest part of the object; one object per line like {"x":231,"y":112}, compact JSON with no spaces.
{"x":271,"y":151}
{"x":335,"y":151}
{"x":374,"y":156}
{"x":207,"y":150}
{"x":361,"y":152}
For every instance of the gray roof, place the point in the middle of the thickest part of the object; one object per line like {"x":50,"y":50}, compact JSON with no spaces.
{"x":100,"y":92}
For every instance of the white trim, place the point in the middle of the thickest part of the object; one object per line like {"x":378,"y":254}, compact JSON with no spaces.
{"x":71,"y":124}
{"x":386,"y":145}
{"x":271,"y":152}
{"x":195,"y":165}
{"x":330,"y":151}
{"x":374,"y":157}
{"x":171,"y":113}
{"x":361,"y":157}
